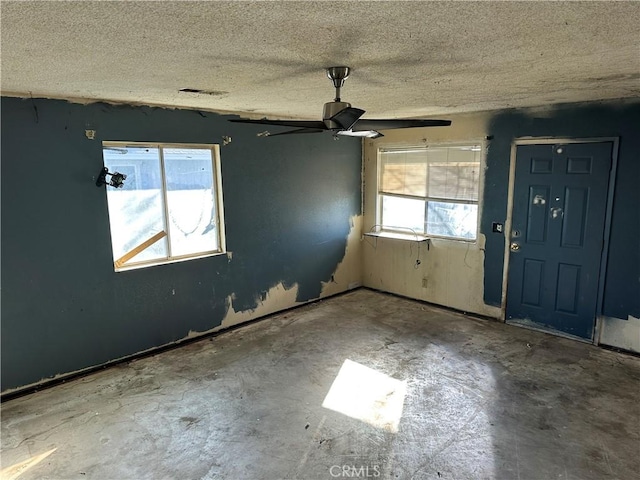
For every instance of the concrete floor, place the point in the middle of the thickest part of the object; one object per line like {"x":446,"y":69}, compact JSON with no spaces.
{"x":425,"y":393}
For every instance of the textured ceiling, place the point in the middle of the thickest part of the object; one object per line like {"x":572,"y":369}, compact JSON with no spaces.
{"x":409,"y":59}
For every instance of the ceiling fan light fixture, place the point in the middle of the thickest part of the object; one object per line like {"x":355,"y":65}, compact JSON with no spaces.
{"x":360,"y":133}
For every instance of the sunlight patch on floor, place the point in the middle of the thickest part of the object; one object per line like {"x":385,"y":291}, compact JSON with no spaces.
{"x":14,"y":471}
{"x":367,"y":395}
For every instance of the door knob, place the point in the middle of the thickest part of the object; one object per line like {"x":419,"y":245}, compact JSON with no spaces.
{"x":514,"y":246}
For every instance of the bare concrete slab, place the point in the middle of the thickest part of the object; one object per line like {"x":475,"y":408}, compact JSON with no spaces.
{"x":362,"y":385}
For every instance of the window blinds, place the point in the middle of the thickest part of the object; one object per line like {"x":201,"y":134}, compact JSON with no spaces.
{"x":404,"y":173}
{"x":445,"y":172}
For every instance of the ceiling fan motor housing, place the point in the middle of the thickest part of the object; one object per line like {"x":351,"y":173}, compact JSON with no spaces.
{"x":330,"y":109}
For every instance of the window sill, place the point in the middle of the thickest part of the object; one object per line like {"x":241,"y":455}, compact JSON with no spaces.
{"x":410,"y":237}
{"x":155,"y":263}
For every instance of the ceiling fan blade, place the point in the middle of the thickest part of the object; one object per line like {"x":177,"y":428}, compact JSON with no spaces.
{"x":390,"y":124}
{"x":289,"y":132}
{"x":284,"y":123}
{"x":347,"y":117}
{"x":360,"y":133}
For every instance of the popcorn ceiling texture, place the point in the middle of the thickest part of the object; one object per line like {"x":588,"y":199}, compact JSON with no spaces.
{"x":267,"y":58}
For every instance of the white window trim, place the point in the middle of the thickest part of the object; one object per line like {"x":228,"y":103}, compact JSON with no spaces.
{"x":217,"y":180}
{"x":380,"y":229}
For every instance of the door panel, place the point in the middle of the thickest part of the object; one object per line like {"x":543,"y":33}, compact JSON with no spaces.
{"x":568,"y":288}
{"x":576,"y":201}
{"x":533,"y":274}
{"x":537,"y":214}
{"x":558,"y":216}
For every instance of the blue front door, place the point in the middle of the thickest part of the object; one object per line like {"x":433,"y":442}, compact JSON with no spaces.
{"x":557,"y":235}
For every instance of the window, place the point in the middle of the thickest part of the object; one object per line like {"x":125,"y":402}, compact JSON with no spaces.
{"x":170,"y":207}
{"x":430,"y":191}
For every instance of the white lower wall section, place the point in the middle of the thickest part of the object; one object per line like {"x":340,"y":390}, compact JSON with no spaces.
{"x":620,"y":333}
{"x":444,"y":272}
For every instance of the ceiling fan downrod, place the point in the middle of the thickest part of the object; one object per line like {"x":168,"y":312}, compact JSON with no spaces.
{"x":338,"y":75}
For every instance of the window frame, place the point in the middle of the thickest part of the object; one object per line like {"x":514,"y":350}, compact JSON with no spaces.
{"x":379,"y":227}
{"x":216,"y":182}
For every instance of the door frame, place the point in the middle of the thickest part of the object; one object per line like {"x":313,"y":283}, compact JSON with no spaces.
{"x":607,"y":221}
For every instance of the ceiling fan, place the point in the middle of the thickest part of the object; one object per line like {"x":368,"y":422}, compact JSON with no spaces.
{"x":341,"y":118}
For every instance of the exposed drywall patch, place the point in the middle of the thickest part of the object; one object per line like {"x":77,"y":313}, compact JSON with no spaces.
{"x":620,"y":333}
{"x":448,"y":273}
{"x":348,"y":273}
{"x":276,"y":299}
{"x":463,"y":274}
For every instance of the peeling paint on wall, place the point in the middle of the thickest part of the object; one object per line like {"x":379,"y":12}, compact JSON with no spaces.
{"x":276,"y":299}
{"x":620,"y":333}
{"x":348,"y":274}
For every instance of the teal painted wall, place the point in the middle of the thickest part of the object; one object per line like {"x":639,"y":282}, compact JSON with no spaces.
{"x":288,"y":204}
{"x":617,"y":119}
